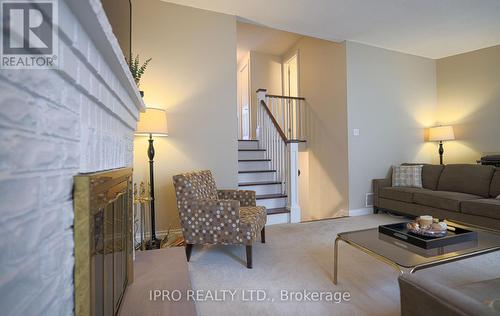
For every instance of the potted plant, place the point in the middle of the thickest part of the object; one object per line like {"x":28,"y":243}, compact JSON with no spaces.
{"x":137,"y":70}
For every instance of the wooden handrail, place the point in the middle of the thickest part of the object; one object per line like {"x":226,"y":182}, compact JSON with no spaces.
{"x":284,"y":97}
{"x":280,"y":131}
{"x":275,"y":123}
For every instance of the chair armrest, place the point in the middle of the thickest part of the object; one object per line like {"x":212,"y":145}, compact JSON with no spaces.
{"x":207,"y":221}
{"x":245,"y":197}
{"x":379,"y":184}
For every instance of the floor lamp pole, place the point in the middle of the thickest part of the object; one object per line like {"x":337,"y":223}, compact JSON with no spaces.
{"x":154,"y":243}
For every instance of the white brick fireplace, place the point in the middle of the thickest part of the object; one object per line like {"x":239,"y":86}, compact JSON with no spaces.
{"x":55,"y":124}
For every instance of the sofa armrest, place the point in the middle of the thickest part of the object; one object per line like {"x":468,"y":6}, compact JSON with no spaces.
{"x":379,"y":184}
{"x":421,"y":295}
{"x":245,"y":197}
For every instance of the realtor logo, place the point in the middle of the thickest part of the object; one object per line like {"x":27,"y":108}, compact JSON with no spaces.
{"x":29,"y":34}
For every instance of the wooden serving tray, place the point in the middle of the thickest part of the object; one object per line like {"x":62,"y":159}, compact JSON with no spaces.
{"x":453,"y":236}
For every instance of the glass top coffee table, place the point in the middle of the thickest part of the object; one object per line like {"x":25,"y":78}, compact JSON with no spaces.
{"x":407,"y":258}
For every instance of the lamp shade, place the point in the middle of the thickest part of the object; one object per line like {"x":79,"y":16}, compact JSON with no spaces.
{"x":440,"y":133}
{"x":153,"y":121}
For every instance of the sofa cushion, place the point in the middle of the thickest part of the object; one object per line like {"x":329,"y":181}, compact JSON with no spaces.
{"x":430,"y":176}
{"x":484,"y":292}
{"x":400,"y":193}
{"x":422,"y":294}
{"x":495,"y":184}
{"x":472,"y":179}
{"x":482,"y":207}
{"x":443,"y":199}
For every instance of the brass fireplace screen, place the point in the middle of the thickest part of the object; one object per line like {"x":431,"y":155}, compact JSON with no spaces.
{"x":103,"y":240}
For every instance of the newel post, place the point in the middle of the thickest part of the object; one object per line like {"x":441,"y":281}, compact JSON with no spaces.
{"x":261,"y":96}
{"x":293,"y":201}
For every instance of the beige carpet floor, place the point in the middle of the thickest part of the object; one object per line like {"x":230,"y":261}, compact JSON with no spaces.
{"x":300,"y":257}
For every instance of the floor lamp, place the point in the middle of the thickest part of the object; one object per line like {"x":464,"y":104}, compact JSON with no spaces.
{"x":440,"y":134}
{"x":152,"y":123}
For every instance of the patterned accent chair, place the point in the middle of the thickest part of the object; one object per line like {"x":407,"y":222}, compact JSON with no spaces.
{"x":211,"y":216}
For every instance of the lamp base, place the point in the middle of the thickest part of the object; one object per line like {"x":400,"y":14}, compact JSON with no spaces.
{"x":441,"y":152}
{"x":153,"y":244}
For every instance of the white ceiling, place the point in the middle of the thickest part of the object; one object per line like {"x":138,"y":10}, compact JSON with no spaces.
{"x":429,"y":28}
{"x":252,"y":37}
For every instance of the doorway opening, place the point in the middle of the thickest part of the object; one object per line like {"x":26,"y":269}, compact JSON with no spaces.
{"x":244,"y":103}
{"x":291,"y":89}
{"x":291,"y":76}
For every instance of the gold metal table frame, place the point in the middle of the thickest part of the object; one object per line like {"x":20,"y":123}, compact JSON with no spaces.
{"x":397,"y":267}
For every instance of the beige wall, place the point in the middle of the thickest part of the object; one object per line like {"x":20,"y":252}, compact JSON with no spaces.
{"x":193,"y":76}
{"x":391,"y":98}
{"x":323,"y":160}
{"x":265,"y":73}
{"x":468,"y":87}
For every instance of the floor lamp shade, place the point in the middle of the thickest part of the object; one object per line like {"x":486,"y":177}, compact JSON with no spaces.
{"x":153,"y":121}
{"x":440,"y":134}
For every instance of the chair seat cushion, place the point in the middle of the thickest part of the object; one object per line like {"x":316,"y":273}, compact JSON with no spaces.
{"x":252,"y":220}
{"x":402,"y":194}
{"x":482,"y":207}
{"x":443,"y":199}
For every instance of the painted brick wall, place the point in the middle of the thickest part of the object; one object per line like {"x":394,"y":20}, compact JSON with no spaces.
{"x":53,"y":125}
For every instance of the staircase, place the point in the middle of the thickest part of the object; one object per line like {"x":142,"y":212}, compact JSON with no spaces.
{"x":255,"y":173}
{"x":269,"y":165}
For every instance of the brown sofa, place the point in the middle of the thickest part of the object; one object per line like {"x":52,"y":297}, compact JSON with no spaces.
{"x":421,"y":295}
{"x":462,"y":193}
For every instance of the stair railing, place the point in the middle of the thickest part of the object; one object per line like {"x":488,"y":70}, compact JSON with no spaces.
{"x":289,"y":114}
{"x":280,"y":129}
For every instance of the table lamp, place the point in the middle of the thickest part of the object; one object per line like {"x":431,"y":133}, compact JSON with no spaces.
{"x":153,"y":122}
{"x":440,"y":134}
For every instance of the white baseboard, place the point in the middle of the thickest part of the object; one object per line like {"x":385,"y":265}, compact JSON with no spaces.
{"x":361,"y":211}
{"x":283,"y":218}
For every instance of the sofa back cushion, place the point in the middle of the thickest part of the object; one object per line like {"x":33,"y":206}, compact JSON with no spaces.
{"x":430,"y":176}
{"x":495,"y":184}
{"x":472,"y":179}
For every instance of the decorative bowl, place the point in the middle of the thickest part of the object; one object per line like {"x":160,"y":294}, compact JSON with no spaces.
{"x":415,"y":228}
{"x":428,"y":232}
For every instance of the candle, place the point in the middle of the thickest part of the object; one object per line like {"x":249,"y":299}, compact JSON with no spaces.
{"x":425,"y":221}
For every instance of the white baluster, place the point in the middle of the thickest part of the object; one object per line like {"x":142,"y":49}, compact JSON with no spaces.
{"x":268,"y":137}
{"x":300,"y":121}
{"x":292,"y":128}
{"x":261,"y":96}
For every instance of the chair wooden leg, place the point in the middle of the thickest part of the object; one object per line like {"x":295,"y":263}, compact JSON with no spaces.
{"x":263,"y":235}
{"x":249,"y":256}
{"x":189,"y":248}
